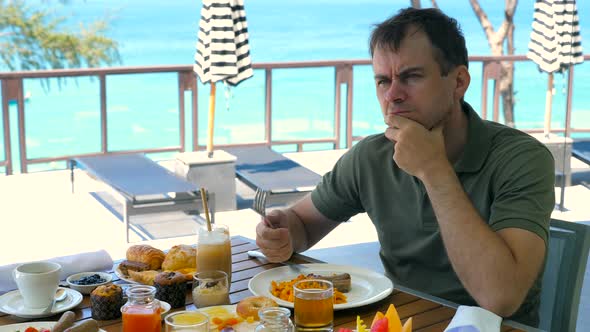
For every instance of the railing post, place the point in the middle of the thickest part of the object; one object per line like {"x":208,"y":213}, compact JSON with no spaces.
{"x":22,"y":139}
{"x":104,"y":140}
{"x":186,"y":82}
{"x":484,"y":90}
{"x":343,"y":76}
{"x":9,"y":92}
{"x":491,"y":70}
{"x":268,"y":106}
{"x":348,"y":108}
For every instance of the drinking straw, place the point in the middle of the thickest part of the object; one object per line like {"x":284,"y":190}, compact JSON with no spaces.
{"x":204,"y":199}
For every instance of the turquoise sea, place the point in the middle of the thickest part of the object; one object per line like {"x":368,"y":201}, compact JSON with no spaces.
{"x":143,"y":109}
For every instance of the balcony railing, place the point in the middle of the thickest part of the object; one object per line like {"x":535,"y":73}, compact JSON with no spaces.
{"x":12,"y":90}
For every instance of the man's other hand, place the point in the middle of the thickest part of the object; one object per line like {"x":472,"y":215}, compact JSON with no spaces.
{"x":417,"y":149}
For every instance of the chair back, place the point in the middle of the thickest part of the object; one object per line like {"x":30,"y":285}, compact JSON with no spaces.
{"x":567,"y":256}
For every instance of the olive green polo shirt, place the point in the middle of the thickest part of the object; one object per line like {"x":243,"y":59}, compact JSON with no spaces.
{"x":508,"y":175}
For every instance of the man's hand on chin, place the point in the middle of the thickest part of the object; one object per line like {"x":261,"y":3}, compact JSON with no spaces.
{"x":417,"y":149}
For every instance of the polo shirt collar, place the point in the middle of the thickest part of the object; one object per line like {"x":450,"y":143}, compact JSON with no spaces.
{"x":478,"y":143}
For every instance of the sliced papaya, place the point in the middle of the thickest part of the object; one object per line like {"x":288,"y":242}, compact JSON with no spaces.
{"x":407,"y":325}
{"x":395,"y":325}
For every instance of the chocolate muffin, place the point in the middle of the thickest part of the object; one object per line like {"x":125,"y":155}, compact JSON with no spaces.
{"x":171,"y":288}
{"x":106,"y":302}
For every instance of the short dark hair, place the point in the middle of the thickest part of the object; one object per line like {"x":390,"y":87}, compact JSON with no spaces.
{"x":444,"y":34}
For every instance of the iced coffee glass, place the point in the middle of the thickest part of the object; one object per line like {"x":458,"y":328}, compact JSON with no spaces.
{"x":214,"y":249}
{"x":314,"y":305}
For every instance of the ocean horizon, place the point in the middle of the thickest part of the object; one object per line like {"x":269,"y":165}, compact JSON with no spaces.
{"x":143,"y":109}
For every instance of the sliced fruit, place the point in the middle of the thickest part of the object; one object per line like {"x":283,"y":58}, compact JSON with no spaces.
{"x":360,"y":325}
{"x":378,"y":316}
{"x":380,"y":325}
{"x":407,"y":325}
{"x":395,"y":325}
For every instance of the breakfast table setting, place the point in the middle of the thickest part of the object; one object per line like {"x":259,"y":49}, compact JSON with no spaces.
{"x":371,"y":295}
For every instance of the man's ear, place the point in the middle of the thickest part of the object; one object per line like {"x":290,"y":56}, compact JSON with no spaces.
{"x":462,"y":80}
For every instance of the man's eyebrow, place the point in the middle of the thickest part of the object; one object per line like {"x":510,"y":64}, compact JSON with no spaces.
{"x":381,"y":77}
{"x":409,"y":70}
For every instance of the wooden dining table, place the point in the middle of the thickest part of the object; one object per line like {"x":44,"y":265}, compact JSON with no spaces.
{"x":428,"y":314}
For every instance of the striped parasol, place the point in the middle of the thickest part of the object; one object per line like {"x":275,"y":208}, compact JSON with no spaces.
{"x":223,"y":53}
{"x":555,"y":42}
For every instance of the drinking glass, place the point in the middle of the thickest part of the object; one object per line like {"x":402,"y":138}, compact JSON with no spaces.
{"x":193,"y":321}
{"x":214,"y":249}
{"x":314,"y":305}
{"x":210,"y":288}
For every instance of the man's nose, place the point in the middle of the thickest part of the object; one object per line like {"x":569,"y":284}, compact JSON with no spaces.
{"x":395,"y":93}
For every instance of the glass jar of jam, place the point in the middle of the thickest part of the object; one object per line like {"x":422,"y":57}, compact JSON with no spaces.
{"x":142,"y":310}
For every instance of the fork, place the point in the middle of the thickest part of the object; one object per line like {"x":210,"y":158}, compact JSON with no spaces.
{"x":259,"y":204}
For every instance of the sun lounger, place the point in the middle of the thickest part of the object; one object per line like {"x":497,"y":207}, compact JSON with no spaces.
{"x":262,"y":168}
{"x":145,"y":186}
{"x":581,"y":150}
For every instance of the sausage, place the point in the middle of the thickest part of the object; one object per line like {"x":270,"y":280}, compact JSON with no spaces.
{"x":86,"y":326}
{"x":341,"y":281}
{"x":66,"y":320}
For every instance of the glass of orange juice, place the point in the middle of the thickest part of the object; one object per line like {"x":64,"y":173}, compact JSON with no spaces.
{"x":314,"y":305}
{"x":187,"y":321}
{"x":214,"y":249}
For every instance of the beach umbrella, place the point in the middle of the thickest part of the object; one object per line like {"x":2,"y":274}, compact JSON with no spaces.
{"x":555,"y":42}
{"x":223,"y":53}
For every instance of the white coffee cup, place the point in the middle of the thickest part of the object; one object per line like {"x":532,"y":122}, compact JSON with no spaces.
{"x":37,"y":283}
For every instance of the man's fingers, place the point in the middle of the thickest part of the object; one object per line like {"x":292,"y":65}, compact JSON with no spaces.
{"x":391,"y":134}
{"x":397,"y":121}
{"x":271,"y":238}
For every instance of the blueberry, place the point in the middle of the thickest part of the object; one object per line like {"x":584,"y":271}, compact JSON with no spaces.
{"x":89,"y":280}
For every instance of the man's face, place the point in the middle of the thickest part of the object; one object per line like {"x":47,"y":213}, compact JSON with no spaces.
{"x":409,"y":83}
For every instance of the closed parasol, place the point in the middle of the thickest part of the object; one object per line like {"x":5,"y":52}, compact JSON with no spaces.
{"x":223,"y":53}
{"x":555,"y":42}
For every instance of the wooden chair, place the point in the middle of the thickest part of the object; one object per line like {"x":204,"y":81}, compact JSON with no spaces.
{"x":569,"y":244}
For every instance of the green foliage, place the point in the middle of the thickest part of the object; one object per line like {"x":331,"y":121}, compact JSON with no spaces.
{"x":32,"y":39}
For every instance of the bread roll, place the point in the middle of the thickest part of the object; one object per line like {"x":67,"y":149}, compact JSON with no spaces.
{"x":147,"y":254}
{"x":180,"y":257}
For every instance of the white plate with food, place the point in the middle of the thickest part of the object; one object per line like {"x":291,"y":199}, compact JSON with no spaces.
{"x":227,"y":313}
{"x":36,"y":325}
{"x":366,"y":286}
{"x":12,"y":303}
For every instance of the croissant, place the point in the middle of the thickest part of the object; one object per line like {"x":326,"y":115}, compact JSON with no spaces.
{"x":147,"y":254}
{"x":180,"y":257}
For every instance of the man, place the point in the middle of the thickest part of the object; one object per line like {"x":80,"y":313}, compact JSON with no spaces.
{"x":461,"y":205}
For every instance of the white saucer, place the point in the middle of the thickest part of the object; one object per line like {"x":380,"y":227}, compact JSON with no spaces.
{"x":12,"y":303}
